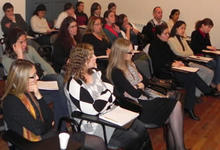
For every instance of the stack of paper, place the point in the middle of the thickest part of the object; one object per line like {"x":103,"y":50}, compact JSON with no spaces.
{"x":217,"y":52}
{"x":186,"y":69}
{"x":200,"y":58}
{"x":119,"y":116}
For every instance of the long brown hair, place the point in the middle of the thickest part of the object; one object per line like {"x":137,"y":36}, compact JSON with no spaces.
{"x":116,"y":59}
{"x":206,"y":21}
{"x":77,"y":60}
{"x":90,"y":27}
{"x":18,"y":77}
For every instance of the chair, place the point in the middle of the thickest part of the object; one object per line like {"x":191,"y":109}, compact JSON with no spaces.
{"x":17,"y":141}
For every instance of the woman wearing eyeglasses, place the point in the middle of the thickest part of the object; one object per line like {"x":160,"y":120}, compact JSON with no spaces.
{"x":26,"y":112}
{"x":129,"y":83}
{"x":97,"y":38}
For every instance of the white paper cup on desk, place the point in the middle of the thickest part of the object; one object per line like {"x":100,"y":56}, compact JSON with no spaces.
{"x":135,"y":47}
{"x":63,"y":139}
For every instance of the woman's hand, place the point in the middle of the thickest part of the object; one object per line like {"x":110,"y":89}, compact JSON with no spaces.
{"x":211,"y":48}
{"x":177,"y":64}
{"x":108,"y":51}
{"x":33,"y":87}
{"x":117,"y":29}
{"x":140,"y":85}
{"x":18,"y":50}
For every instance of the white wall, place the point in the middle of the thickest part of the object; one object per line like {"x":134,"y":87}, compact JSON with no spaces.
{"x":140,"y":11}
{"x":19,"y":7}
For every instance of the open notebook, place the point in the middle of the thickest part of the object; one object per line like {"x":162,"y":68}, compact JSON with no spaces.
{"x":217,"y":52}
{"x":186,"y":69}
{"x":47,"y":85}
{"x":200,"y":58}
{"x":119,"y":116}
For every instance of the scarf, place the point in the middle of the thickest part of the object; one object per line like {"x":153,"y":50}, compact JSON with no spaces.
{"x":27,"y":103}
{"x":110,"y":28}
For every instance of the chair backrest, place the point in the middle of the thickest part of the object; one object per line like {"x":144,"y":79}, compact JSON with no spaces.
{"x":144,"y":65}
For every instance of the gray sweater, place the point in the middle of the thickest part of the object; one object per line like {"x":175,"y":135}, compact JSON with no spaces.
{"x":32,"y":55}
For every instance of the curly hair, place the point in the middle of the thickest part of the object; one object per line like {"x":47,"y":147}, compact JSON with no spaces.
{"x":76,"y":63}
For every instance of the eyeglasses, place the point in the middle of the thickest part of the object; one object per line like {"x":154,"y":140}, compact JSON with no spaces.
{"x":33,"y":77}
{"x":98,"y":24}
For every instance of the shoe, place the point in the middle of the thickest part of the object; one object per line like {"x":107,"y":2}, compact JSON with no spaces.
{"x":192,"y":114}
{"x":213,"y":92}
{"x":199,"y":100}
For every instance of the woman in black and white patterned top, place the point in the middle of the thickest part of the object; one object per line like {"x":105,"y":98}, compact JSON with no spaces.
{"x":87,"y":93}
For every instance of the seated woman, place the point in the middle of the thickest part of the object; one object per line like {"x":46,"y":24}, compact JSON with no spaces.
{"x":67,"y":11}
{"x":180,"y":47}
{"x":97,"y":38}
{"x":67,"y":39}
{"x":200,"y":40}
{"x":129,"y":31}
{"x":40,"y":25}
{"x":95,"y":10}
{"x":26,"y":112}
{"x":110,"y":28}
{"x":163,"y":59}
{"x":17,"y":48}
{"x":87,"y":93}
{"x":173,"y":18}
{"x":128,"y":82}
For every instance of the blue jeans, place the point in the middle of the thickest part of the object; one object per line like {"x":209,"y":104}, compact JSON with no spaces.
{"x":215,"y":66}
{"x":57,"y":97}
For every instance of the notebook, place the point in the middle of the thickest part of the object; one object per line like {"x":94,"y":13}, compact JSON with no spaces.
{"x":217,"y":52}
{"x":200,"y":58}
{"x":119,"y":116}
{"x":186,"y":69}
{"x":47,"y":85}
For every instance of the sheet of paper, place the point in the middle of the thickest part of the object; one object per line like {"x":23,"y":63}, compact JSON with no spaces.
{"x":217,"y":52}
{"x":186,"y":69}
{"x":48,"y":85}
{"x":200,"y":58}
{"x":119,"y":116}
{"x":101,"y":57}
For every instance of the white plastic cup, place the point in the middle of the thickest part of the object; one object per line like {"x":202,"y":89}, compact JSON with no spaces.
{"x":135,"y":47}
{"x":63,"y":139}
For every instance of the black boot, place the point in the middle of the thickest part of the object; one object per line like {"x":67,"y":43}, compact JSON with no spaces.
{"x":192,"y":114}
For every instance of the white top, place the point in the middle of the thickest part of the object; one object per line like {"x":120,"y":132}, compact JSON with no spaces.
{"x":39,"y":25}
{"x":60,"y":19}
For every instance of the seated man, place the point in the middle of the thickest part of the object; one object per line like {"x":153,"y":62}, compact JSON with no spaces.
{"x":11,"y":20}
{"x":149,"y":29}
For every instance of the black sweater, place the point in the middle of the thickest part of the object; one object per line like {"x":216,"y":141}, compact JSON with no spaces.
{"x":198,"y":42}
{"x":17,"y":116}
{"x":100,"y":46}
{"x":123,"y":85}
{"x":162,"y":58}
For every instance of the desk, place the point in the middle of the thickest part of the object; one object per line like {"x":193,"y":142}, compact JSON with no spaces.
{"x":52,"y":144}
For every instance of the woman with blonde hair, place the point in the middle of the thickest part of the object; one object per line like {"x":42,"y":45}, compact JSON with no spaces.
{"x":26,"y":112}
{"x":24,"y":108}
{"x":128,"y":82}
{"x":87,"y":93}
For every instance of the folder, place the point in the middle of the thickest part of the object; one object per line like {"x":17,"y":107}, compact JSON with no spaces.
{"x":119,"y":116}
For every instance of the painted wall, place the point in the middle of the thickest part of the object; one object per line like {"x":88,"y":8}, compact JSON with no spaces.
{"x":140,"y":12}
{"x":19,"y":7}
